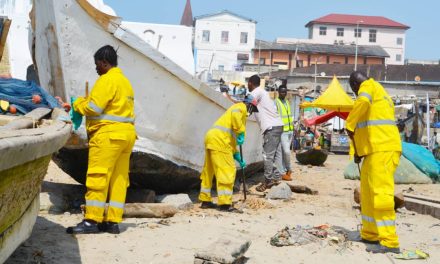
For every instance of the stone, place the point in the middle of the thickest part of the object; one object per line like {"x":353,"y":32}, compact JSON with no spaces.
{"x":282,"y":192}
{"x":180,"y":201}
{"x":301,"y":189}
{"x":357,"y":195}
{"x":52,"y":203}
{"x":226,"y":250}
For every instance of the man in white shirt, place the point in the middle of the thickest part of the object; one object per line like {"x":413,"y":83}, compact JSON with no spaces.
{"x":271,"y":126}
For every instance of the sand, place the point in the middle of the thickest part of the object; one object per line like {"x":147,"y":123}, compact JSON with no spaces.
{"x":175,"y":240}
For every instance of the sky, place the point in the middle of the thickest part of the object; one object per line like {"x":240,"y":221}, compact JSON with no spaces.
{"x":286,"y":18}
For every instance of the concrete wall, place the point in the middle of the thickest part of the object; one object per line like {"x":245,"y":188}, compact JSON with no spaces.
{"x":225,"y":54}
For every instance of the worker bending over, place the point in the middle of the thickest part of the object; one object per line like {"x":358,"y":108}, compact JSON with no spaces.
{"x":371,"y":126}
{"x":220,"y":151}
{"x":109,"y":112}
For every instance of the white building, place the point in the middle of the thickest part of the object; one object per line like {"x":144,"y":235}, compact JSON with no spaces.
{"x":367,"y":30}
{"x":223,"y":41}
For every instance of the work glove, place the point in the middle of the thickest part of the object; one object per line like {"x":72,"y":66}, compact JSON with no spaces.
{"x":237,"y":157}
{"x":357,"y":159}
{"x":75,"y":116}
{"x":240,"y":139}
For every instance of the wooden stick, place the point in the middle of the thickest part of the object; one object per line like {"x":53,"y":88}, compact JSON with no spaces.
{"x":87,"y":89}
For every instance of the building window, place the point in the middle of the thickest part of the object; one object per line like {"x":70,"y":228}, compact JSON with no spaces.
{"x":225,"y":36}
{"x":398,"y":57}
{"x":340,"y":32}
{"x":221,"y":67}
{"x":262,"y":61}
{"x":243,"y":38}
{"x":399,"y":41}
{"x":358,"y":32}
{"x":205,"y":35}
{"x":322,"y":31}
{"x":372,"y":37}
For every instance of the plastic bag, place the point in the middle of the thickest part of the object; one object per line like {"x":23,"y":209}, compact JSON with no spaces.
{"x":422,"y":159}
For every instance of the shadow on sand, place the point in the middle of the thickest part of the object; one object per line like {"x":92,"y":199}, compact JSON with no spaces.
{"x":47,"y":240}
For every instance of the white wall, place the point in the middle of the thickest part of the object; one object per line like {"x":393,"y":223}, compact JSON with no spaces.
{"x":224,"y":53}
{"x":174,"y":41}
{"x":385,"y":37}
{"x":18,"y":37}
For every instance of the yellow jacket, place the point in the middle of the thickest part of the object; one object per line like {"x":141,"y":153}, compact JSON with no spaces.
{"x":222,"y":135}
{"x":285,"y":114}
{"x":110,"y":105}
{"x":372,"y":119}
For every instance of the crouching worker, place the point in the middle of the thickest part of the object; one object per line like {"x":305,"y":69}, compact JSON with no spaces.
{"x":220,"y":151}
{"x":109,"y":112}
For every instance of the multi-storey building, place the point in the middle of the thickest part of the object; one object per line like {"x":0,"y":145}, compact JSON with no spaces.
{"x":223,"y":41}
{"x":341,"y":29}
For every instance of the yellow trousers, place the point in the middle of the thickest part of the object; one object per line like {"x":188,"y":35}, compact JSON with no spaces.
{"x":107,"y":174}
{"x":222,"y":166}
{"x":377,"y":198}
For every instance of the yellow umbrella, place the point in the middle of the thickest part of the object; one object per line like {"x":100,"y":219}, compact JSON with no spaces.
{"x":334,"y":98}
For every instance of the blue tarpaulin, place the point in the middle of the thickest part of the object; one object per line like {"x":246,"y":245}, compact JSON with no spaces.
{"x":19,"y":93}
{"x":423,"y":159}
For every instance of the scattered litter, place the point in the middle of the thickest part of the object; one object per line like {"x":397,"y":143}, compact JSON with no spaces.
{"x":303,"y":235}
{"x":412,"y":254}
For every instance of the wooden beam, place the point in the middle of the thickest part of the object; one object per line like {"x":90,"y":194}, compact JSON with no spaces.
{"x":108,"y":22}
{"x":4,"y":36}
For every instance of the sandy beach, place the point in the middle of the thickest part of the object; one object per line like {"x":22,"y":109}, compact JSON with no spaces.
{"x":175,"y":240}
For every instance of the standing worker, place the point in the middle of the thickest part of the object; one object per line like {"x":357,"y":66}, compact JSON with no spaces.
{"x":371,"y":126}
{"x":220,"y":151}
{"x":284,"y":111}
{"x":272,"y":127}
{"x":109,"y":112}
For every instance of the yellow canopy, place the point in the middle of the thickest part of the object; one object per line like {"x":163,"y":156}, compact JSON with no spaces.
{"x":334,"y":98}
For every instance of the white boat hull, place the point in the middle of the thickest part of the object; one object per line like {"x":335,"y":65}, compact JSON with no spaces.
{"x":174,"y":110}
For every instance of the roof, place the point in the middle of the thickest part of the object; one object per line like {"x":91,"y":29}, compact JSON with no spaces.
{"x":341,"y":19}
{"x":312,"y":48}
{"x":225,"y":12}
{"x":389,"y":73}
{"x":187,"y":17}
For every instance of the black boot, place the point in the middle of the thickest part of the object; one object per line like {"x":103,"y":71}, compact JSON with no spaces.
{"x":379,"y":249}
{"x":85,"y":227}
{"x":229,"y":208}
{"x":208,"y":205}
{"x":109,"y":227}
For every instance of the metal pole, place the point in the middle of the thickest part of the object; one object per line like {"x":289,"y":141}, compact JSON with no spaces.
{"x":259,"y":55}
{"x":356,"y":48}
{"x":243,"y":177}
{"x":428,"y":129}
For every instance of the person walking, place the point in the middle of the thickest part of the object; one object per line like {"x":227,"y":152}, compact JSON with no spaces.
{"x":271,"y":127}
{"x":372,"y":127}
{"x":220,"y":151}
{"x":109,"y":112}
{"x":283,"y":107}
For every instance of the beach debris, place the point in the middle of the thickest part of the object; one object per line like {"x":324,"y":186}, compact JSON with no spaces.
{"x":280,"y":192}
{"x":256,"y":203}
{"x":180,"y":201}
{"x":149,"y":210}
{"x":226,"y":250}
{"x":303,"y":235}
{"x":412,"y":254}
{"x":301,"y":189}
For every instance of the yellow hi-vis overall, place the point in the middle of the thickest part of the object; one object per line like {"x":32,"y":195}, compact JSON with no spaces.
{"x":109,"y":112}
{"x":220,"y":145}
{"x":377,"y":140}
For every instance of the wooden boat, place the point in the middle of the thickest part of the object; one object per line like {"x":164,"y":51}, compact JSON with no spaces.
{"x":315,"y":157}
{"x":25,"y":157}
{"x":174,"y":110}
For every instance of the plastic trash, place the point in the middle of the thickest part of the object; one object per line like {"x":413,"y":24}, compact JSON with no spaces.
{"x":422,"y":159}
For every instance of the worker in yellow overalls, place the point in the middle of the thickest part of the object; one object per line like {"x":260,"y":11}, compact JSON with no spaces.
{"x":109,"y":112}
{"x":371,"y":126}
{"x":220,"y":151}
